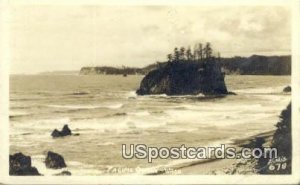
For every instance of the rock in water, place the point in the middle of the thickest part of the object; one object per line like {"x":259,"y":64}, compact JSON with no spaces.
{"x":185,"y":78}
{"x":55,"y":161}
{"x":287,"y":89}
{"x":20,"y":164}
{"x":56,"y":133}
{"x":64,"y":173}
{"x":65,"y":132}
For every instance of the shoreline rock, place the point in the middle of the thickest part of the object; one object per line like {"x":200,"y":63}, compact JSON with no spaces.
{"x":64,"y":173}
{"x":54,"y":160}
{"x":20,"y":165}
{"x":287,"y":89}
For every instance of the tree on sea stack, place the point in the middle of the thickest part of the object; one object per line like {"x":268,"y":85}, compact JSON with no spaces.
{"x":170,"y":57}
{"x":182,"y":53}
{"x":189,"y":53}
{"x":176,"y":54}
{"x":186,"y":74}
{"x":207,"y":50}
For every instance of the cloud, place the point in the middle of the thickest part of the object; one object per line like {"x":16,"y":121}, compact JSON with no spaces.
{"x":68,"y":37}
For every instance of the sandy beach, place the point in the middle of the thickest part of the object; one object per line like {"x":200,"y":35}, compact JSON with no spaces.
{"x":227,"y":166}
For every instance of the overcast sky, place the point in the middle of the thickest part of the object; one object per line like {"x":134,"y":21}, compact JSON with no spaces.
{"x":49,"y":38}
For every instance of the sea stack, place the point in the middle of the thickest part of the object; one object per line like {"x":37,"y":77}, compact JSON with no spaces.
{"x":185,"y":78}
{"x":187,"y":72}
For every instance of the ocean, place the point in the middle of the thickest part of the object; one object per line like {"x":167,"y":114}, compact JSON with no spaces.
{"x":106,"y":112}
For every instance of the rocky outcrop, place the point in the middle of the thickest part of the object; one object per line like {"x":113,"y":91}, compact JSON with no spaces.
{"x":64,"y":132}
{"x":64,"y":173}
{"x":185,"y":78}
{"x":287,"y":89}
{"x":282,"y":140}
{"x":20,"y":164}
{"x":54,"y":160}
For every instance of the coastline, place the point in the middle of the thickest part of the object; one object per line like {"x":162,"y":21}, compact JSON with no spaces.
{"x":215,"y":166}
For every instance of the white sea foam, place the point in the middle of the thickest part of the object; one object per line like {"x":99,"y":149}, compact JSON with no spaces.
{"x":264,"y":90}
{"x":106,"y":143}
{"x":172,"y":96}
{"x":14,"y":113}
{"x":180,"y":129}
{"x":78,"y":107}
{"x":75,"y":167}
{"x":139,"y":113}
{"x":131,"y":95}
{"x":38,"y":161}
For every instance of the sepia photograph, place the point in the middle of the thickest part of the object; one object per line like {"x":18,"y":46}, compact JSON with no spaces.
{"x":150,"y":90}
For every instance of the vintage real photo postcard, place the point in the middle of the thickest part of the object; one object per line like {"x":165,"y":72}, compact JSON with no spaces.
{"x":149,"y":92}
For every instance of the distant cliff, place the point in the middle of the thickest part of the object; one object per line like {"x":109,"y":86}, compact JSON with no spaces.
{"x":257,"y":65}
{"x":253,"y":65}
{"x":185,"y":78}
{"x":111,"y":71}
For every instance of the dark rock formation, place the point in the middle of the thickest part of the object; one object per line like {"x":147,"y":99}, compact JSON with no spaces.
{"x":20,"y":164}
{"x":64,"y":173}
{"x":282,"y":141}
{"x":56,"y":133}
{"x":64,"y":132}
{"x":54,"y":160}
{"x":287,"y":89}
{"x":185,"y":78}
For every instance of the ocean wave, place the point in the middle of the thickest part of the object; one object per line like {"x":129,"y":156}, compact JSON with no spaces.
{"x":106,"y":144}
{"x":115,"y":125}
{"x":265,"y":90}
{"x":131,"y":95}
{"x":220,"y":114}
{"x":139,"y":113}
{"x":44,"y":127}
{"x":75,"y":167}
{"x":38,"y":162}
{"x":82,"y":107}
{"x":179,"y":129}
{"x":79,"y":93}
{"x":14,"y":114}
